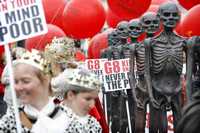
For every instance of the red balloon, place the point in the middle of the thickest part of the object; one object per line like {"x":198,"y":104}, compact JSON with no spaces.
{"x":83,"y":18}
{"x":187,"y":4}
{"x":90,"y":54}
{"x":53,"y":10}
{"x":39,"y":42}
{"x":98,"y":43}
{"x":178,"y":28}
{"x":112,"y":19}
{"x":129,"y":8}
{"x":190,"y":22}
{"x":158,"y":2}
{"x":153,"y":8}
{"x":1,"y":50}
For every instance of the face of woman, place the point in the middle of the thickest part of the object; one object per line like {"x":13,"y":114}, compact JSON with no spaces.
{"x":29,"y":87}
{"x":83,"y":102}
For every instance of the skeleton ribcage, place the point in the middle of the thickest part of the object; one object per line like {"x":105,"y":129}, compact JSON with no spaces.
{"x":140,"y":57}
{"x":167,"y":53}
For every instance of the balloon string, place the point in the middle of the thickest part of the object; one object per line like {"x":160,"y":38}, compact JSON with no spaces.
{"x":53,"y":18}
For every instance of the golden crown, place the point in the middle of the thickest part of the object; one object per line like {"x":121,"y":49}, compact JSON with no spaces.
{"x":80,"y":78}
{"x":33,"y":58}
{"x":60,"y":50}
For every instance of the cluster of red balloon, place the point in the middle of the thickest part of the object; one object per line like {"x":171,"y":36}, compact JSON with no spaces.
{"x":82,"y":19}
{"x":78,"y":19}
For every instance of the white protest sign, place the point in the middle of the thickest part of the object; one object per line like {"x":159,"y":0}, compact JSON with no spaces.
{"x":21,"y":19}
{"x":115,"y":75}
{"x":96,"y":66}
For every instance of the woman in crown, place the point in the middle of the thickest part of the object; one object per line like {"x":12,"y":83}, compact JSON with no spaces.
{"x":80,"y":89}
{"x":38,"y":113}
{"x":60,"y":54}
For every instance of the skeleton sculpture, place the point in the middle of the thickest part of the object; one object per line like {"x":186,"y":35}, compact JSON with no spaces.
{"x":113,"y":41}
{"x":163,"y":68}
{"x":150,"y":24}
{"x":127,"y":50}
{"x":193,"y":74}
{"x":118,"y":115}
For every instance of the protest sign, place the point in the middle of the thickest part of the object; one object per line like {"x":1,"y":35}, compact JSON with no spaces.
{"x":116,"y":75}
{"x":96,"y":66}
{"x":21,"y":19}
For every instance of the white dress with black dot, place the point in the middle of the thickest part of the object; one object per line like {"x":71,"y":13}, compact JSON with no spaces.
{"x":44,"y":121}
{"x":77,"y":124}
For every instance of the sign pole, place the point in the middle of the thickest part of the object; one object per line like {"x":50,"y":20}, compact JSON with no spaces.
{"x":128,"y":114}
{"x":11,"y":77}
{"x":105,"y":107}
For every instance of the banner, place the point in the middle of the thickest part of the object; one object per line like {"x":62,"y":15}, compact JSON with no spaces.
{"x":21,"y":19}
{"x":96,"y":65}
{"x":116,"y":75}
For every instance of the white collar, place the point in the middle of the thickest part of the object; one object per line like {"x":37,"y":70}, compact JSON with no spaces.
{"x":33,"y":113}
{"x":82,"y":119}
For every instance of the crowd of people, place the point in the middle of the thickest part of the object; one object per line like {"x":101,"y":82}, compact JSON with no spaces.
{"x":54,"y":94}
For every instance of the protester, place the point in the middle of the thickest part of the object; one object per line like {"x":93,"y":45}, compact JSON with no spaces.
{"x":16,"y":53}
{"x":38,"y":113}
{"x":61,"y":54}
{"x":3,"y":106}
{"x":80,"y":88}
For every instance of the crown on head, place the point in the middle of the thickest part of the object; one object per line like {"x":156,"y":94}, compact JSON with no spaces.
{"x":60,"y":50}
{"x":78,"y":79}
{"x":33,"y":58}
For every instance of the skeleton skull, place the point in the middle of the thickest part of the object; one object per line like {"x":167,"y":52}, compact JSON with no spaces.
{"x":122,"y":29}
{"x":113,"y":38}
{"x":134,"y":28}
{"x":150,"y":22}
{"x":169,"y":14}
